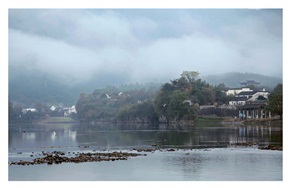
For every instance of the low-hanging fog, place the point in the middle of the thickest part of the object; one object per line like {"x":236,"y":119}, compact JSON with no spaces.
{"x":144,"y":45}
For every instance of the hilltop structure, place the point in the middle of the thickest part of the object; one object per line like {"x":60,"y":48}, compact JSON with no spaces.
{"x":249,"y":82}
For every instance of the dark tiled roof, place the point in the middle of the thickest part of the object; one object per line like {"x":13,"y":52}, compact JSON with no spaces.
{"x":247,"y":93}
{"x":254,"y":105}
{"x":239,"y":99}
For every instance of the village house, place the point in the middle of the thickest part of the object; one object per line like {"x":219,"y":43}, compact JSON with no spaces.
{"x":251,"y":103}
{"x":238,"y":101}
{"x":249,"y":96}
{"x":52,"y":108}
{"x":69,"y":111}
{"x":264,"y":94}
{"x":254,"y":110}
{"x":25,"y":110}
{"x":246,"y":94}
{"x":235,"y":91}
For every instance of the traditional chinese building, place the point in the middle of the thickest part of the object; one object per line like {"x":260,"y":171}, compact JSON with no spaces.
{"x":249,"y":82}
{"x":254,"y":110}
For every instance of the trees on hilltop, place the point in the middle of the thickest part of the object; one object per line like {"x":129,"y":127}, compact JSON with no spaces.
{"x":174,"y":101}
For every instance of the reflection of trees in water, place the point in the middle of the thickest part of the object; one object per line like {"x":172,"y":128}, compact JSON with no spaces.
{"x":130,"y":135}
{"x":41,"y":135}
{"x":141,"y":135}
{"x":174,"y":136}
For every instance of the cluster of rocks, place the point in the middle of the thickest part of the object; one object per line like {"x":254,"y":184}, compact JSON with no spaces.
{"x":145,"y":149}
{"x":153,"y":149}
{"x":272,"y":147}
{"x":58,"y":157}
{"x":245,"y":144}
{"x":249,"y":144}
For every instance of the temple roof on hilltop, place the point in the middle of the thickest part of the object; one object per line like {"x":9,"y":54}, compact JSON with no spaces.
{"x":249,"y":82}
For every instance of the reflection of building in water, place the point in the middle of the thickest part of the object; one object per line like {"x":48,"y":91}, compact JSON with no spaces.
{"x":211,"y":137}
{"x":72,"y":135}
{"x":252,"y":134}
{"x":29,"y":135}
{"x":53,"y":135}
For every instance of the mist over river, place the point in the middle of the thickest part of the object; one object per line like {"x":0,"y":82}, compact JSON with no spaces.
{"x":203,"y":152}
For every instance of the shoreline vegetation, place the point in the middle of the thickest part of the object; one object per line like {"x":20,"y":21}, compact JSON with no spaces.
{"x":55,"y":120}
{"x":199,"y":120}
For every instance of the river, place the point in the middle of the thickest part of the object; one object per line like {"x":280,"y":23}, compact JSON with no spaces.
{"x":204,"y":152}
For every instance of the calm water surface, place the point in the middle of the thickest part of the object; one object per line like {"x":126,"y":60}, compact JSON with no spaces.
{"x":204,"y":152}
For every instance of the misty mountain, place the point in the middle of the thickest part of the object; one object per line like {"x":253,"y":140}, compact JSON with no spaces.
{"x":233,"y":79}
{"x":28,"y":85}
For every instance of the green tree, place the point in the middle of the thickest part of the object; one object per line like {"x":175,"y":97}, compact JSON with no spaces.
{"x":220,"y":95}
{"x":144,"y":112}
{"x":190,"y":76}
{"x":178,"y":108}
{"x":275,"y":105}
{"x":161,"y":103}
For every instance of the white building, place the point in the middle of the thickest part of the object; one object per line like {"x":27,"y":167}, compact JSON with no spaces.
{"x":236,"y":91}
{"x":52,"y":108}
{"x":244,"y":97}
{"x":25,"y":110}
{"x":69,"y":111}
{"x":263,"y":93}
{"x":238,"y":101}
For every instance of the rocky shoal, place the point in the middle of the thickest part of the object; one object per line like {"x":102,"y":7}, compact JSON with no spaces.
{"x":249,"y":144}
{"x":58,"y":157}
{"x":272,"y":147}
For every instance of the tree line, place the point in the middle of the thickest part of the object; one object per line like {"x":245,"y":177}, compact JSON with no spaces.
{"x":275,"y":105}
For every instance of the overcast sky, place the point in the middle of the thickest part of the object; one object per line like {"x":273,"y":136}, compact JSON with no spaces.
{"x":146,"y":44}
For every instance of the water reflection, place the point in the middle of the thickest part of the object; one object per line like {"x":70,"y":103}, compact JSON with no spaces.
{"x":130,"y":136}
{"x":191,"y":164}
{"x":29,"y":136}
{"x":259,"y":133}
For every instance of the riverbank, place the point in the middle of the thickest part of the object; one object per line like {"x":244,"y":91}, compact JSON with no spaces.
{"x":199,"y":120}
{"x":264,"y":121}
{"x":55,"y":120}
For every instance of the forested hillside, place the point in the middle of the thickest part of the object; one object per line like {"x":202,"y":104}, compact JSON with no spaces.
{"x":122,"y":103}
{"x":29,"y":87}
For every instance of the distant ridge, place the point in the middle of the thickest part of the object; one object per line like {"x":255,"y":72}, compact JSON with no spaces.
{"x":233,"y":79}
